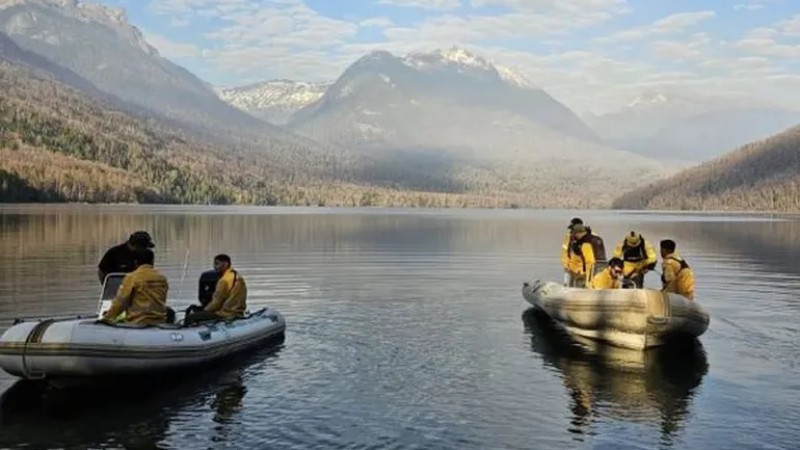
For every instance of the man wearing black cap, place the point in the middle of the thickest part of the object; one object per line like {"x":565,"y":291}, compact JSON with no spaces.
{"x":570,"y":261}
{"x":120,"y":258}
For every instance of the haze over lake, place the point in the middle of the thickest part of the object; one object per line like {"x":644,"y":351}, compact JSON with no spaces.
{"x":407,"y":329}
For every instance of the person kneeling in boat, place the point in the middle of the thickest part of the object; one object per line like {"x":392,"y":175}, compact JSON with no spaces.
{"x":142,"y":296}
{"x":611,"y":277}
{"x":676,"y":275}
{"x":229,"y":300}
{"x":638,"y":256}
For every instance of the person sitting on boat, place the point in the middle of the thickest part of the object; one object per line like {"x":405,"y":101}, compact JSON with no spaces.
{"x":610,"y":277}
{"x":590,"y":249}
{"x":142,"y":296}
{"x":676,"y":275}
{"x":571,"y":262}
{"x":229,"y":300}
{"x":119,"y":258}
{"x":638,"y":255}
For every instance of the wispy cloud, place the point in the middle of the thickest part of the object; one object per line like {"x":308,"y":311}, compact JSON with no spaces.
{"x":591,"y":54}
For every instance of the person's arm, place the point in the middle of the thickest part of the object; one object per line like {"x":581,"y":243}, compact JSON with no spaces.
{"x":588,"y":260}
{"x":122,"y":299}
{"x":618,"y":252}
{"x":652,"y":258}
{"x":221,"y":292}
{"x":565,"y":253}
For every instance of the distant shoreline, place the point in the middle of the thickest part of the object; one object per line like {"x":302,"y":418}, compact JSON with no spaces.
{"x":191,"y":206}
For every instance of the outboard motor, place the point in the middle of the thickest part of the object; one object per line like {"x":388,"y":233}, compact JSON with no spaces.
{"x":208,"y":282}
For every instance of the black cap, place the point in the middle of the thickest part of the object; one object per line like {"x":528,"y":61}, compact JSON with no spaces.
{"x":575,"y":221}
{"x":141,"y":238}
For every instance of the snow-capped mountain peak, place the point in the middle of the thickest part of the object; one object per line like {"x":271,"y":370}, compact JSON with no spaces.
{"x":463,"y":59}
{"x":273,"y":100}
{"x":648,"y":98}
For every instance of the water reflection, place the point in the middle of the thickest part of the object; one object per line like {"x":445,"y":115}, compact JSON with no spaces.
{"x":90,"y":415}
{"x":653,"y":387}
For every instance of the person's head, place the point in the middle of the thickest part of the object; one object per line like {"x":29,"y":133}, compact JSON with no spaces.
{"x":222,"y":263}
{"x":575,"y":221}
{"x":616,"y":266}
{"x":633,"y":239}
{"x":579,"y":230}
{"x":140,"y":240}
{"x":143,"y":256}
{"x":668,"y":247}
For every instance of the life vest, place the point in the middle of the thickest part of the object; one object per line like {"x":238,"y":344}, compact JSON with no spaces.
{"x":683,"y":263}
{"x":634,"y":254}
{"x":598,"y":246}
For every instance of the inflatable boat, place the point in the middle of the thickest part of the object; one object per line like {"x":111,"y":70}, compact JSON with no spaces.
{"x":630,"y":318}
{"x":74,"y":347}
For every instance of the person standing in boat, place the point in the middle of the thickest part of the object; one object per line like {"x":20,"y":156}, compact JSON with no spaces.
{"x":570,"y":261}
{"x":638,"y":256}
{"x":229,"y":300}
{"x":676,"y":275}
{"x":591,"y":251}
{"x":142,"y":296}
{"x":119,"y":258}
{"x":611,"y":277}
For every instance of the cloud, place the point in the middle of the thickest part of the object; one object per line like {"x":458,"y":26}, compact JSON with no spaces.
{"x":423,"y":4}
{"x":790,"y":27}
{"x":693,"y":50}
{"x":548,"y":41}
{"x":376,"y":22}
{"x":749,"y":6}
{"x":171,"y":49}
{"x":674,"y":23}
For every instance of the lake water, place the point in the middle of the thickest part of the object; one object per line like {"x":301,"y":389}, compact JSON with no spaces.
{"x":407,"y":329}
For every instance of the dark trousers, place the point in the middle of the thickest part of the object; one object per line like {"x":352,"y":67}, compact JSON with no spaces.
{"x":200,"y":316}
{"x":638,"y":280}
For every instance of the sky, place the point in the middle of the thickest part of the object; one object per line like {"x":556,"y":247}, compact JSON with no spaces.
{"x":593,"y":55}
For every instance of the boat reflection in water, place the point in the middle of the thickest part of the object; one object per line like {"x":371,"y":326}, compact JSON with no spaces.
{"x":612,"y":384}
{"x":134,"y":415}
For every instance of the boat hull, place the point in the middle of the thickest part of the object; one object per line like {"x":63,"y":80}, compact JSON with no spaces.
{"x":70,"y":348}
{"x":630,"y":318}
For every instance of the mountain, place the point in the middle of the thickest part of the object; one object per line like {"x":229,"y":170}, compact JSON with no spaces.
{"x":763,"y":176}
{"x":97,"y":43}
{"x":691,"y":128}
{"x":457,"y":117}
{"x":58,"y":144}
{"x":455,"y":78}
{"x":274,"y":101}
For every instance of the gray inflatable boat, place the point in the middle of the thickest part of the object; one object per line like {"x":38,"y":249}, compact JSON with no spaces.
{"x":74,"y":347}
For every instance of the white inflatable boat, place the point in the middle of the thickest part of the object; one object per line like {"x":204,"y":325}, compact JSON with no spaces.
{"x":81,"y":347}
{"x":630,"y":318}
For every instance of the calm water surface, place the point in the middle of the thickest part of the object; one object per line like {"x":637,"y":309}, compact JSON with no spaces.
{"x":407,"y":329}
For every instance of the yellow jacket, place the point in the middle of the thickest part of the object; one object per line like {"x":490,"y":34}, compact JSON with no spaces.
{"x":650,"y":258}
{"x":230,"y":296}
{"x":677,"y":277}
{"x":569,"y":260}
{"x":604,"y":280}
{"x":142,"y":296}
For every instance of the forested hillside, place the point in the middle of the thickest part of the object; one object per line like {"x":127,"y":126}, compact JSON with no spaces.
{"x":762,"y":176}
{"x":56,"y":144}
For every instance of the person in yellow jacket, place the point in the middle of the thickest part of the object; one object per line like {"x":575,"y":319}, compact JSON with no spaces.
{"x":570,"y":261}
{"x":590,"y":249}
{"x":611,"y":277}
{"x":676,"y":276}
{"x":229,"y":300}
{"x":142,"y":296}
{"x":638,"y":255}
